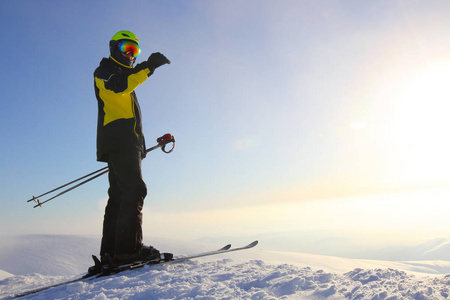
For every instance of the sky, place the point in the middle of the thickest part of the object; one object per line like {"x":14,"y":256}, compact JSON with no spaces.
{"x":289,"y":116}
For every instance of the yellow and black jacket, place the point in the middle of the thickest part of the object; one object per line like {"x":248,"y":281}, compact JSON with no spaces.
{"x":119,"y":116}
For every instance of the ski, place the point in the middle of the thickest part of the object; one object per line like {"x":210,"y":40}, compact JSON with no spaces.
{"x":137,"y":265}
{"x":221,"y":251}
{"x":41,"y":289}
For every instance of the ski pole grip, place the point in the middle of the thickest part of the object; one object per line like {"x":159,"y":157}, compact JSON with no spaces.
{"x":164,"y":140}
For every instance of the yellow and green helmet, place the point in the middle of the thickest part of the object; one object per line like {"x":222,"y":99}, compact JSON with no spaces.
{"x":125,"y":35}
{"x":116,"y":40}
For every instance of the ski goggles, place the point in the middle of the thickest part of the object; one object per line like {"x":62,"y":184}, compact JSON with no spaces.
{"x":129,"y":46}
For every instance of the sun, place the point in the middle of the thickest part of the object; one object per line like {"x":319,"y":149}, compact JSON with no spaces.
{"x":420,"y":124}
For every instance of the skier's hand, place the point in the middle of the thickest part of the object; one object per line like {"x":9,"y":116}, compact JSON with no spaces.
{"x":156,"y":60}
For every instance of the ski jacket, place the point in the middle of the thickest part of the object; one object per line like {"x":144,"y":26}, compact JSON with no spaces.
{"x":119,"y":125}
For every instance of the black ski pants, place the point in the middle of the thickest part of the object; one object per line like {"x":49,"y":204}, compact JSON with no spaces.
{"x":122,"y":224}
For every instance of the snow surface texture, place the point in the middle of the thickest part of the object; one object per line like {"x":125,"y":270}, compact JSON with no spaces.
{"x":255,"y":279}
{"x":251,"y":274}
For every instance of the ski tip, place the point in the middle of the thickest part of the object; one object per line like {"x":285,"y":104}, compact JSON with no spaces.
{"x":251,"y":245}
{"x":225,"y":248}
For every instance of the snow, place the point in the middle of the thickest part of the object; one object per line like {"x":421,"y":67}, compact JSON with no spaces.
{"x":249,"y":274}
{"x":431,"y":250}
{"x":4,"y":274}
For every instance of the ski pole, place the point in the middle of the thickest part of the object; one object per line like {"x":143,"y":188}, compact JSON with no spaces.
{"x":162,"y":142}
{"x":49,"y":192}
{"x":39,"y":203}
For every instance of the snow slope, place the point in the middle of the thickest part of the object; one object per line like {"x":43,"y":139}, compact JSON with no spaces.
{"x":47,"y":254}
{"x":4,"y":275}
{"x":436,"y":249}
{"x":252,"y":274}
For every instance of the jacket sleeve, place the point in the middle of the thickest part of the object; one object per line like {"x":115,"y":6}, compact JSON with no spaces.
{"x":126,"y":82}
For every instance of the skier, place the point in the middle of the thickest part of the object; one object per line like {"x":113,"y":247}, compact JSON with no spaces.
{"x":121,"y":144}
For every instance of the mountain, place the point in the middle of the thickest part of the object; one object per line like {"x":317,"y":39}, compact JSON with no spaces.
{"x":346,"y":244}
{"x":436,"y":249}
{"x":47,"y":254}
{"x":4,"y":275}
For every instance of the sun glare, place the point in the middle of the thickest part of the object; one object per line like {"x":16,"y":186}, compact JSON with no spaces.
{"x":420,"y":124}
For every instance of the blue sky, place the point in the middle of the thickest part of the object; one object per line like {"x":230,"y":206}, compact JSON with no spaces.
{"x":288,"y":115}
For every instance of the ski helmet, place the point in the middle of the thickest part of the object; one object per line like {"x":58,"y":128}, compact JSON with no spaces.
{"x":114,"y":46}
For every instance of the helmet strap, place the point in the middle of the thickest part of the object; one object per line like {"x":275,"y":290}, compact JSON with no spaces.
{"x":122,"y":64}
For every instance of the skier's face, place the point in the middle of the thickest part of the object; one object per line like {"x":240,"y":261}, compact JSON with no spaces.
{"x":128,"y":55}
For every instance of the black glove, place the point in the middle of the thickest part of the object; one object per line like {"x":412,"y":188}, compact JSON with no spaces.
{"x":156,"y":60}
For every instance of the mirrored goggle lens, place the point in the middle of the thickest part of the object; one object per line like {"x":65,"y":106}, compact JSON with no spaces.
{"x":127,"y":47}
